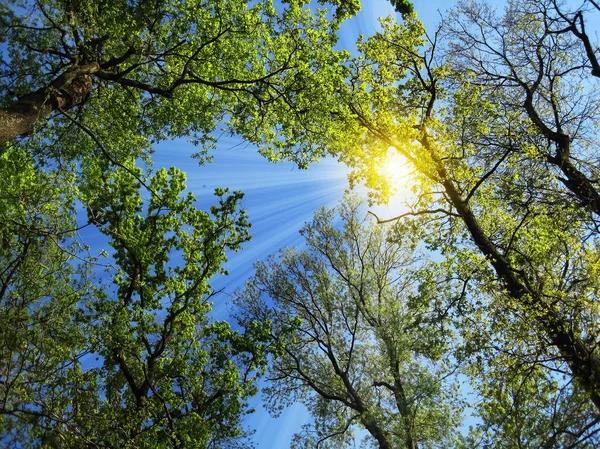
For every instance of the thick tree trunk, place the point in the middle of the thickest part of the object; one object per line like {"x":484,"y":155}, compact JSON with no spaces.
{"x":65,"y":92}
{"x":366,"y":418}
{"x":376,"y":432}
{"x":405,"y":408}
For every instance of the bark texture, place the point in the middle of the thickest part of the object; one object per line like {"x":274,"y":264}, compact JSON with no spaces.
{"x":68,"y":90}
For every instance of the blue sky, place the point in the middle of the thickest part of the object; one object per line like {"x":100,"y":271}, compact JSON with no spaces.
{"x":279,"y":199}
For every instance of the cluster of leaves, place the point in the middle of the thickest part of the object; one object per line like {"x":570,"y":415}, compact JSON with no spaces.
{"x":132,"y":360}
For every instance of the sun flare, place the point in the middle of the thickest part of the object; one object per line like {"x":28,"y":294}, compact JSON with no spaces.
{"x":398,"y":172}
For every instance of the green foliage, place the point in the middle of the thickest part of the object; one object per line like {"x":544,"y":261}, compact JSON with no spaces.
{"x":165,"y":376}
{"x":184,"y":378}
{"x":497,"y":116}
{"x":42,"y":330}
{"x":404,"y":7}
{"x":170,"y":69}
{"x":129,"y":357}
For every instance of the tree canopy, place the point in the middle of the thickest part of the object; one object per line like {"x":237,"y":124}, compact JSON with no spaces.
{"x":360,"y":341}
{"x":132,"y":74}
{"x":488,"y":279}
{"x":129,"y":361}
{"x":128,"y":357}
{"x":497,"y":113}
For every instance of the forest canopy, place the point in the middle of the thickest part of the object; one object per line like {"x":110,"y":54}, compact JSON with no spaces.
{"x":480,"y":297}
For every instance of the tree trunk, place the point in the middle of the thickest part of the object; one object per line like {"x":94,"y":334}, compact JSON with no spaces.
{"x":405,"y":409}
{"x":376,"y":432}
{"x":583,"y":361}
{"x":366,"y":418}
{"x":67,"y":91}
{"x":576,"y":181}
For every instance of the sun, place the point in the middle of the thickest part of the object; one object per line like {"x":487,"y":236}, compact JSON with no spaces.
{"x":398,"y":172}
